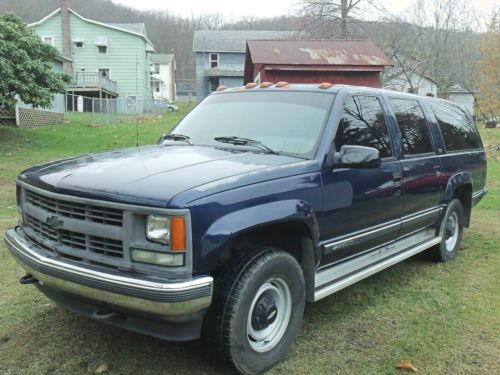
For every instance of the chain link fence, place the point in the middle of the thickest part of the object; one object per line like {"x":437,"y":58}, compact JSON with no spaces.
{"x":106,"y":111}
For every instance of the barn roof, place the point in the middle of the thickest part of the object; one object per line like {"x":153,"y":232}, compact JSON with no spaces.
{"x":316,"y":52}
{"x":230,"y":40}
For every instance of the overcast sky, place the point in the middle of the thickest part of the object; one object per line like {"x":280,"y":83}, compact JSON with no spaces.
{"x":233,"y":9}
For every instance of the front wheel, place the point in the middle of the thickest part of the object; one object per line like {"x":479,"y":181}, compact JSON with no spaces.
{"x":259,"y":304}
{"x":452,"y":228}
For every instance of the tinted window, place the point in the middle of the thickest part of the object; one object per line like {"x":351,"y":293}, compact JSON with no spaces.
{"x":363,"y":124}
{"x":459,"y":133}
{"x":415,"y":136}
{"x":288,"y":122}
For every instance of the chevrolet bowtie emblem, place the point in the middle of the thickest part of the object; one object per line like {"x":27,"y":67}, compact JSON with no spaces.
{"x":54,"y":222}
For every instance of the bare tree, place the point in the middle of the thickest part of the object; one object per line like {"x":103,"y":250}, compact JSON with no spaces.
{"x":323,"y":17}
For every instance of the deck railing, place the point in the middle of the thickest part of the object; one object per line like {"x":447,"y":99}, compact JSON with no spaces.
{"x":92,"y":80}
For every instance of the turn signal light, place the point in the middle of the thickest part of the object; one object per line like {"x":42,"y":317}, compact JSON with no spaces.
{"x":221,"y":88}
{"x":177,"y":233}
{"x":250,"y":85}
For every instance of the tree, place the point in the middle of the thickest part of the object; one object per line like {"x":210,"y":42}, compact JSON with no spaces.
{"x":489,"y":69}
{"x":26,"y":66}
{"x":321,"y":16}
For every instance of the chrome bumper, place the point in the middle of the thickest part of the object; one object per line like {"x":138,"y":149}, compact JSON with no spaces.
{"x":167,"y":299}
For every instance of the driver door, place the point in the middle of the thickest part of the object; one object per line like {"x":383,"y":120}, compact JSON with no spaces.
{"x":361,"y":206}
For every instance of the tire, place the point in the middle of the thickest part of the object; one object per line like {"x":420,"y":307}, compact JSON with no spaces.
{"x":452,"y":228}
{"x":252,"y":338}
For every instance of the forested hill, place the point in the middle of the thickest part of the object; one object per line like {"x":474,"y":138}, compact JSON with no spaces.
{"x":169,"y":33}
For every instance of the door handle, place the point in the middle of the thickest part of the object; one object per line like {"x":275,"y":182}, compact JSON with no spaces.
{"x":397,"y":176}
{"x":437,"y":170}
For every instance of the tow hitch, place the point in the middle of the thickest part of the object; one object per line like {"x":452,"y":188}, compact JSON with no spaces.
{"x":28,"y":279}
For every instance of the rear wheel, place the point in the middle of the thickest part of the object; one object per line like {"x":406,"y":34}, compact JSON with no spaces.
{"x":258,"y":308}
{"x":451,"y":232}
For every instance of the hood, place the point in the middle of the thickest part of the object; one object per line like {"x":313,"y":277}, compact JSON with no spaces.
{"x":153,"y":175}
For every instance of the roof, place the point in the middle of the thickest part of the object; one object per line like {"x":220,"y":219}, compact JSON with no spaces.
{"x":230,"y":40}
{"x":317,"y":52}
{"x":162,"y":58}
{"x":138,"y":28}
{"x":130,"y":28}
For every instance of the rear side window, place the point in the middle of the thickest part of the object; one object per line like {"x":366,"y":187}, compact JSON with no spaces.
{"x":363,"y":124}
{"x":459,"y":133}
{"x":415,"y":136}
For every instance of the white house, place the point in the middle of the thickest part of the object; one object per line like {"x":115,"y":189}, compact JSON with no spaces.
{"x":163,"y":76}
{"x":422,"y":85}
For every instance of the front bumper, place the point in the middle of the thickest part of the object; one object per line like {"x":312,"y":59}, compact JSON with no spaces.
{"x":173,"y":301}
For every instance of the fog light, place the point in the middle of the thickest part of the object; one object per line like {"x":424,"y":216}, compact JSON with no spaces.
{"x":153,"y":257}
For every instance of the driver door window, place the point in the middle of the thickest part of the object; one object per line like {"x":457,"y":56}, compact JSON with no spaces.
{"x":363,"y":124}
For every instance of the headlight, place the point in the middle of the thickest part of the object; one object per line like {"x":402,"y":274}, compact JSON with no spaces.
{"x":170,"y":231}
{"x":158,"y":229}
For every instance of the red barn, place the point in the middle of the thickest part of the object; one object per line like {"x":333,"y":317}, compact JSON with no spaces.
{"x":351,"y":62}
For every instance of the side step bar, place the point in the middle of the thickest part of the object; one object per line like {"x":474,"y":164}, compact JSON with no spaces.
{"x":340,"y":276}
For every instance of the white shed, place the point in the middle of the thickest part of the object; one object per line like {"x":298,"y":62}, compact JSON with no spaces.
{"x":461,"y":96}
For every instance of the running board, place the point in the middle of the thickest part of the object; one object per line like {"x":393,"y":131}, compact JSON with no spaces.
{"x":340,"y":276}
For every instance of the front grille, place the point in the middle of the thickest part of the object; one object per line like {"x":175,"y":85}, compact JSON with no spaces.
{"x":47,"y":237}
{"x":75,"y":230}
{"x":103,"y":215}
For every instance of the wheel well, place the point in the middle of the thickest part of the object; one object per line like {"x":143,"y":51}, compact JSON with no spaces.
{"x":292,"y":237}
{"x":464,"y":194}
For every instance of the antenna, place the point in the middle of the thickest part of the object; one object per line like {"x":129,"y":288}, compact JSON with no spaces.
{"x":136,"y":103}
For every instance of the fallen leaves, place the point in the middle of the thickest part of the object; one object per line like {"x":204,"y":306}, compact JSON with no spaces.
{"x":102,"y":368}
{"x":406,"y":364}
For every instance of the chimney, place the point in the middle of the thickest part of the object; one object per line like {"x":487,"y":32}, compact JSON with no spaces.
{"x":66,"y":37}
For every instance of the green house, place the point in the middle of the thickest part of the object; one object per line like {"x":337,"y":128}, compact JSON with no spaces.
{"x":106,"y":60}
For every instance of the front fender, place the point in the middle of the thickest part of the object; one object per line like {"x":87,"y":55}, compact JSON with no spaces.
{"x":227,"y":227}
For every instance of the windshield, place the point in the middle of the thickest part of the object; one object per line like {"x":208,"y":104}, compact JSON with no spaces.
{"x":286,"y":122}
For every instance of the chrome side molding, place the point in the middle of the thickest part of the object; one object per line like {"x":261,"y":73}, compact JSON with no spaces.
{"x":342,"y":275}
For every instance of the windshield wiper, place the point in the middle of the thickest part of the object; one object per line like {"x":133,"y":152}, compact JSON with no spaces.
{"x":177,"y":137}
{"x":240,"y":141}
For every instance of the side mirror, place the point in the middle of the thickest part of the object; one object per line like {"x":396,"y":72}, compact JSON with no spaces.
{"x":357,"y":157}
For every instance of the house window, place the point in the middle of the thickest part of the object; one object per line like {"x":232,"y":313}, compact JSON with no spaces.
{"x":214,"y":83}
{"x":102,"y":44}
{"x":103,"y":73}
{"x":214,"y":60}
{"x":157,"y":68}
{"x":48,"y":40}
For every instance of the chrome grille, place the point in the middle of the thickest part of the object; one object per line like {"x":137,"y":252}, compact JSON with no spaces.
{"x":48,"y":237}
{"x":103,"y":215}
{"x":77,"y":229}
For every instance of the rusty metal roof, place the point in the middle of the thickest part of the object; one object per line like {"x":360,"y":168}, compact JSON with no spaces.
{"x":316,"y":52}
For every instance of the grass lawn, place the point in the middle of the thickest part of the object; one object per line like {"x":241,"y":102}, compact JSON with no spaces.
{"x":445,"y":318}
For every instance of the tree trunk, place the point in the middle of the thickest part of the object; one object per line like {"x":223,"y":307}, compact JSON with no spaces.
{"x":344,"y":11}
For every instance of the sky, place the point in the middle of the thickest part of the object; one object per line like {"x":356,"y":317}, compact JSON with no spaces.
{"x":234,"y":9}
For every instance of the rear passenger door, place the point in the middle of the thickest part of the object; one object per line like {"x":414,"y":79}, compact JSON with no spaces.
{"x":422,"y":175}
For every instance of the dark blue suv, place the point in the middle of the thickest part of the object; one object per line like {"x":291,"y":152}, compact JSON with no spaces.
{"x":260,"y":199}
